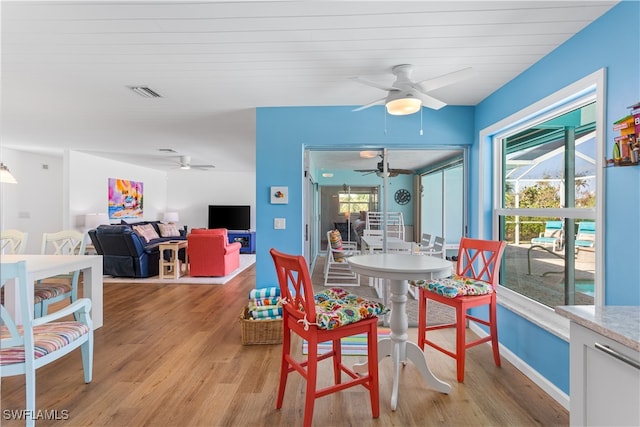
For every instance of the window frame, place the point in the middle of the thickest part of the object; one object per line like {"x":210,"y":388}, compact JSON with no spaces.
{"x":589,"y":88}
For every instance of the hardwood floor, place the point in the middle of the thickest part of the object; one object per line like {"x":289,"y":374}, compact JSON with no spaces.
{"x":170,"y":355}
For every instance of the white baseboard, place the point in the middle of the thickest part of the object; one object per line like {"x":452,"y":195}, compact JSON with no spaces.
{"x":556,"y":394}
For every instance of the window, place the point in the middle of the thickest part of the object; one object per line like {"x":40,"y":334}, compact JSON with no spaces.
{"x":355,"y":200}
{"x":547,"y":207}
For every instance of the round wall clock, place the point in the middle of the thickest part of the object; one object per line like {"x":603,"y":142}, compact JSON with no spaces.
{"x":402,"y":196}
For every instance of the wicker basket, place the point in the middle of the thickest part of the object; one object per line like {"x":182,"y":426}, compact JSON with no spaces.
{"x":259,"y":331}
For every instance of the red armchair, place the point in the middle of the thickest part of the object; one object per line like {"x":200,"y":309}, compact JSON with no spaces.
{"x":211,"y":254}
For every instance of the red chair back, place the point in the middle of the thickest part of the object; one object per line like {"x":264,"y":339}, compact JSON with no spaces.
{"x":480,"y":259}
{"x":295,"y":285}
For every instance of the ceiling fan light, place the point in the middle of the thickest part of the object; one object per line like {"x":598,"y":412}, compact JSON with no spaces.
{"x":185,"y":167}
{"x":5,"y":175}
{"x":403,"y":106}
{"x":368,"y":154}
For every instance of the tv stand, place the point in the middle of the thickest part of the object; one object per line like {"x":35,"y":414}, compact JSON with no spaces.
{"x":246,"y":238}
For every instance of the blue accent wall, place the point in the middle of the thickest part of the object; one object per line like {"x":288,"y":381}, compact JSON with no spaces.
{"x":607,"y":43}
{"x":611,"y":42}
{"x":283,"y":133}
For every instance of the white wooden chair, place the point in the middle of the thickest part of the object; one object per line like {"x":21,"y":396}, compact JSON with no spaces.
{"x":58,"y":288}
{"x":336,"y":268}
{"x":392,"y":222}
{"x":35,"y":343}
{"x":13,"y":241}
{"x":436,"y":249}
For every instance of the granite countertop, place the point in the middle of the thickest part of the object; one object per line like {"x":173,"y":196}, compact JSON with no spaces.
{"x":619,"y":323}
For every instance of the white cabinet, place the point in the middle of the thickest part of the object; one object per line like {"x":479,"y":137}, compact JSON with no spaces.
{"x":605,"y":380}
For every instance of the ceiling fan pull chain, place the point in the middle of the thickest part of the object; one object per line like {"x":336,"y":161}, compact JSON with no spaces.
{"x":421,"y":133}
{"x":384,"y":111}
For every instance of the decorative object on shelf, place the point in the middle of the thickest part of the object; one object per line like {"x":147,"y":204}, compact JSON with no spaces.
{"x":402,"y":196}
{"x":626,"y":147}
{"x":5,"y":175}
{"x":279,"y":195}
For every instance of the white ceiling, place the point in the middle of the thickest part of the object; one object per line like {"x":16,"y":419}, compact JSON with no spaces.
{"x":66,"y":65}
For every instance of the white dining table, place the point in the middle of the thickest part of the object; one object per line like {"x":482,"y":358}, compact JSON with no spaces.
{"x":44,"y":266}
{"x":399,"y":269}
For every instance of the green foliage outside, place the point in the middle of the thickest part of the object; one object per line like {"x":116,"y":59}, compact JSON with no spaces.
{"x":540,"y":195}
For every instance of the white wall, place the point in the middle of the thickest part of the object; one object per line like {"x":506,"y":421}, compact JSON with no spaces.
{"x":190,"y":192}
{"x":35,"y":203}
{"x":88,"y":186}
{"x":58,"y":197}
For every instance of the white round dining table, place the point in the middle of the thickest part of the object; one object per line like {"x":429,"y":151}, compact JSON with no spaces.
{"x":399,"y":269}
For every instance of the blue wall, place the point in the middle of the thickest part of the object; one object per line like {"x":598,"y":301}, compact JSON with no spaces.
{"x":612,"y":42}
{"x":608,"y":43}
{"x":282,"y":135}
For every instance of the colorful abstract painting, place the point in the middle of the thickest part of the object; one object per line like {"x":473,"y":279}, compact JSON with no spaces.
{"x":125,"y":198}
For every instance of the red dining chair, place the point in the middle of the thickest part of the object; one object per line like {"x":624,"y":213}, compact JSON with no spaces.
{"x":326,"y":316}
{"x":474,"y":284}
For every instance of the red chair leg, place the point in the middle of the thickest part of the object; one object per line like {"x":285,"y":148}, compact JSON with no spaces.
{"x":284,"y":367}
{"x":312,"y":376}
{"x":461,"y":334}
{"x":337,"y":361}
{"x":422,"y":317}
{"x":374,"y":389}
{"x":493,"y":329}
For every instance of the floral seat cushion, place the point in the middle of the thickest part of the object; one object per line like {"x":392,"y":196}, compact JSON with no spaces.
{"x":336,"y":307}
{"x":455,"y":286}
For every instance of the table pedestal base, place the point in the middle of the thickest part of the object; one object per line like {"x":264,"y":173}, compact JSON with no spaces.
{"x":399,"y":348}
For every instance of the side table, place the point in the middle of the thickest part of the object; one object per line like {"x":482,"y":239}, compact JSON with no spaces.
{"x":172,"y":268}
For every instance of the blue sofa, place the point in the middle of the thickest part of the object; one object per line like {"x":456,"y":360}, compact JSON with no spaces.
{"x":125,"y":253}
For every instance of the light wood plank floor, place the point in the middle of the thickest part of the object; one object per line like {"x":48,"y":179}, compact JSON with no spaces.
{"x":171,"y":355}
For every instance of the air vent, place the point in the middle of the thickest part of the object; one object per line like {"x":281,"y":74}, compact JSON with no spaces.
{"x":145,"y":91}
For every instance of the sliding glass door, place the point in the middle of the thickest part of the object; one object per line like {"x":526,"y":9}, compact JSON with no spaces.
{"x":442,"y":202}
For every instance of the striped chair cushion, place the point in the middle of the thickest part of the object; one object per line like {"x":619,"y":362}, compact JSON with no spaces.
{"x":336,"y":307}
{"x":47,"y":290}
{"x":454,"y":286}
{"x":47,"y":339}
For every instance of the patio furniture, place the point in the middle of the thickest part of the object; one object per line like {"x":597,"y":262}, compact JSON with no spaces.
{"x":586,"y":236}
{"x":553,"y":235}
{"x":336,"y":269}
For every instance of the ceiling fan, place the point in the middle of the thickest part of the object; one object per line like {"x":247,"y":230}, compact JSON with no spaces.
{"x":185,"y":164}
{"x":406,"y":96}
{"x":380,"y":170}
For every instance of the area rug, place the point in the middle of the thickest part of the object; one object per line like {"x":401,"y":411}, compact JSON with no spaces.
{"x":246,"y":261}
{"x":355,"y":345}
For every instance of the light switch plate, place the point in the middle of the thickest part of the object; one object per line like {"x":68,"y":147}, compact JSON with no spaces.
{"x":279,"y":223}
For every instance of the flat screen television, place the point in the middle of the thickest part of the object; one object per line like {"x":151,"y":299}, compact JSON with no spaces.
{"x":230,"y":217}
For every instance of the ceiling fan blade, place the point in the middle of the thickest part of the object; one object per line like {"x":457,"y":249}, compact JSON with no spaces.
{"x":402,"y":171}
{"x":372,"y":83}
{"x":444,"y":80}
{"x":371,"y":104}
{"x":431,"y":102}
{"x":366,"y":170}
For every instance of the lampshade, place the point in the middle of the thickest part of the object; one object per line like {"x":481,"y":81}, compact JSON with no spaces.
{"x":403,"y":106}
{"x":5,"y":175}
{"x":170,"y":217}
{"x":92,"y":220}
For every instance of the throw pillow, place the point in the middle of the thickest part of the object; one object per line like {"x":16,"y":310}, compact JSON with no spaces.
{"x":335,"y":239}
{"x":147,"y":232}
{"x":168,"y":230}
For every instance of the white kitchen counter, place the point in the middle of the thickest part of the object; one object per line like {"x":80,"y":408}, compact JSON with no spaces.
{"x":619,"y":323}
{"x":604,"y":365}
